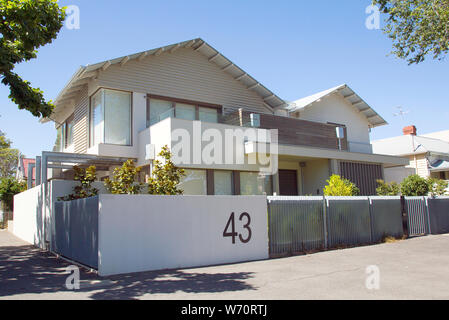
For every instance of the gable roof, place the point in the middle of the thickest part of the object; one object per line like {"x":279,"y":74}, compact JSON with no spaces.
{"x":84,"y":73}
{"x":349,"y":95}
{"x":409,"y":145}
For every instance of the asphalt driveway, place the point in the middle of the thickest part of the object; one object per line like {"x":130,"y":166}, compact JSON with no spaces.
{"x":412,"y":269}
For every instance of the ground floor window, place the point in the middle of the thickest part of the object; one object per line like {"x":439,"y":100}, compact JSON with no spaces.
{"x":194,"y":182}
{"x":225,"y":182}
{"x":255,"y":183}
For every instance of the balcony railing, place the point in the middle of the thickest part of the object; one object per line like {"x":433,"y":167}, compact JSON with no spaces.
{"x":291,"y":131}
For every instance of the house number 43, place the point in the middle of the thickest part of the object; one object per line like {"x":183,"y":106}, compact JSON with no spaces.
{"x":244,"y":218}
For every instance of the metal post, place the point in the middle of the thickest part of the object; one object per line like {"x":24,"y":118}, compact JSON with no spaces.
{"x":325,"y":206}
{"x":426,"y":201}
{"x":370,"y":204}
{"x":30,"y":175}
{"x":44,"y":182}
{"x":404,"y":217}
{"x":38,"y":171}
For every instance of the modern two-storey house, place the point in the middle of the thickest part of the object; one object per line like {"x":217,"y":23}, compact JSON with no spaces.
{"x":230,"y":133}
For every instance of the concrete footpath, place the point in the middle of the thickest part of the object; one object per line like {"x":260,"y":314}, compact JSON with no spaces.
{"x":412,"y":269}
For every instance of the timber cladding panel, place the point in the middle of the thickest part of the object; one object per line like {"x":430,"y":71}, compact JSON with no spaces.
{"x":364,"y":175}
{"x":299,"y":132}
{"x":184,"y":74}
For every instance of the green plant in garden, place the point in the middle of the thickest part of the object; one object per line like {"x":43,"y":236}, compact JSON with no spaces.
{"x":124,"y":179}
{"x":9,"y":187}
{"x":437,"y":187}
{"x":166,"y":176}
{"x":85,"y":190}
{"x":388,"y":189}
{"x":414,"y":185}
{"x":337,"y":186}
{"x":25,"y":26}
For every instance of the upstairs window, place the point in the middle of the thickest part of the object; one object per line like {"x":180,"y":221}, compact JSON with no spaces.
{"x":68,"y":131}
{"x":159,"y":109}
{"x":110,"y":118}
{"x":64,"y":136}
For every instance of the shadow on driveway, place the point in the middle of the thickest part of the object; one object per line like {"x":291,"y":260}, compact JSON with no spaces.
{"x":28,"y":270}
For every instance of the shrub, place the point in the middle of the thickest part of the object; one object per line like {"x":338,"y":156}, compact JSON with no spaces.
{"x":165,"y":177}
{"x":85,"y":190}
{"x":414,"y":185}
{"x":338,"y":186}
{"x":388,"y":189}
{"x":9,"y":187}
{"x":437,"y":187}
{"x":124,"y":179}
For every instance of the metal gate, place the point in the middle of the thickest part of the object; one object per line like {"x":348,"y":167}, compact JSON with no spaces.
{"x":418,"y":217}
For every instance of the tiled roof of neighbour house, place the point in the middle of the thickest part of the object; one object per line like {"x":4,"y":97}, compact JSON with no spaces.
{"x":25,"y":167}
{"x":84,"y":73}
{"x":355,"y":100}
{"x":409,"y":145}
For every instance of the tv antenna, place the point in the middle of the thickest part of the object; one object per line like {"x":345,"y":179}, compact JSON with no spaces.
{"x":401,"y":113}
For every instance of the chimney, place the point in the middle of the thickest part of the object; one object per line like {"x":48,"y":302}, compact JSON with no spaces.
{"x":410,"y":130}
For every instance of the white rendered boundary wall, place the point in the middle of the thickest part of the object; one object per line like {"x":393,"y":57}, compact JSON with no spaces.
{"x":33,"y":213}
{"x":143,"y":232}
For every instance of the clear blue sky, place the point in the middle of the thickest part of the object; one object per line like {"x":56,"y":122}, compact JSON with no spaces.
{"x":295,"y":48}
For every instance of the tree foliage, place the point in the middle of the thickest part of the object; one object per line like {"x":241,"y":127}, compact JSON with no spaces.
{"x":9,"y":157}
{"x":124,"y":179}
{"x":388,"y":189}
{"x":417,"y":28}
{"x":166,"y":176}
{"x":337,"y":186}
{"x":85,"y":190}
{"x":25,"y":26}
{"x":9,"y":187}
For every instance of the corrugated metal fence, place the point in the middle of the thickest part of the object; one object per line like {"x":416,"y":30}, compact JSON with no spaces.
{"x":438,"y":209}
{"x":348,"y":221}
{"x":296,"y":224}
{"x":302,"y":224}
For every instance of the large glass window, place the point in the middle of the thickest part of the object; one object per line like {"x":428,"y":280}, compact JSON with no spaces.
{"x":59,"y":139}
{"x":254,"y":183}
{"x":194,"y":182}
{"x":160,"y":110}
{"x":223,"y":182}
{"x":68,"y":126}
{"x":96,"y":118}
{"x":208,"y":114}
{"x":185,"y":111}
{"x":117,"y":114}
{"x":110,"y":117}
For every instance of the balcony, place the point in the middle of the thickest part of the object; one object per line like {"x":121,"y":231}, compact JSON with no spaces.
{"x":291,"y":131}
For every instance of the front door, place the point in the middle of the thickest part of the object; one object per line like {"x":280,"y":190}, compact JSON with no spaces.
{"x":288,"y":182}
